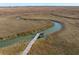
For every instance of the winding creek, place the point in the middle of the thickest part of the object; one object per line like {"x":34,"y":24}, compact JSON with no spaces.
{"x":57,"y":26}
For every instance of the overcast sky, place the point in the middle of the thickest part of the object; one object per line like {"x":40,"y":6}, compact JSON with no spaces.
{"x":39,"y":4}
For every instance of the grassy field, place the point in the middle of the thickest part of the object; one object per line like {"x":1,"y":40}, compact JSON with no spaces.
{"x":14,"y":49}
{"x":33,"y":19}
{"x":64,"y":42}
{"x":12,"y":27}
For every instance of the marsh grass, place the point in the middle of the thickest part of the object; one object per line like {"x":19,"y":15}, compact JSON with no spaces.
{"x":13,"y":49}
{"x":11,"y":28}
{"x":65,"y":42}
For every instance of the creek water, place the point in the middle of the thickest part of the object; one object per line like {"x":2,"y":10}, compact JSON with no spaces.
{"x":55,"y":27}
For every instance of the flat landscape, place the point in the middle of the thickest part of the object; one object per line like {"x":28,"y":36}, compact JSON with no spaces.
{"x":17,"y":24}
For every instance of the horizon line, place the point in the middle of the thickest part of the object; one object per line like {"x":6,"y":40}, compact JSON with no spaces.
{"x":38,"y":4}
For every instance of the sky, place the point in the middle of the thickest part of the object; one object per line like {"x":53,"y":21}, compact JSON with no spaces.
{"x":39,"y":4}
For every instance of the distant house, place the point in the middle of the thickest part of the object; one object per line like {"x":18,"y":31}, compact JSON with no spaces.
{"x":18,"y":17}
